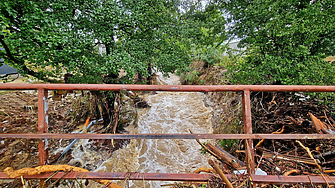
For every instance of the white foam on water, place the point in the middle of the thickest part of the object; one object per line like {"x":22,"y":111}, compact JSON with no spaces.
{"x":173,"y":113}
{"x":170,"y":113}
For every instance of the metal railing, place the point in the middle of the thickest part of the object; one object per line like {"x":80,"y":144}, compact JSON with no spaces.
{"x":248,"y":136}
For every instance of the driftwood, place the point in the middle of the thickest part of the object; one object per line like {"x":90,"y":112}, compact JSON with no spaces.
{"x":85,"y":125}
{"x":328,"y":153}
{"x":74,"y":141}
{"x":52,"y":168}
{"x":329,"y":171}
{"x":291,"y":172}
{"x":319,"y":126}
{"x":204,"y":169}
{"x":231,"y":156}
{"x":276,"y":132}
{"x":219,"y":171}
{"x":212,"y":153}
{"x":224,"y":157}
{"x":219,"y":154}
{"x":311,"y":156}
{"x":298,"y":159}
{"x":309,"y":153}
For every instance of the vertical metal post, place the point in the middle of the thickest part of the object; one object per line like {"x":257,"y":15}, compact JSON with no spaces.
{"x":42,"y":124}
{"x":249,"y":148}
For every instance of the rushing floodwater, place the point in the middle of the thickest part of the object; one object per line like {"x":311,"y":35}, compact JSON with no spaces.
{"x":170,"y":112}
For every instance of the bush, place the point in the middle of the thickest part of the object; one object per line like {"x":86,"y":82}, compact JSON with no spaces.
{"x":211,"y":56}
{"x":309,"y":70}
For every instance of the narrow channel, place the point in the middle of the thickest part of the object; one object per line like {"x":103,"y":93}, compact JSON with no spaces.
{"x":170,"y":112}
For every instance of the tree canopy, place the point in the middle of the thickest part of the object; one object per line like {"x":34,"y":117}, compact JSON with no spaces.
{"x":50,"y":37}
{"x":287,"y":40}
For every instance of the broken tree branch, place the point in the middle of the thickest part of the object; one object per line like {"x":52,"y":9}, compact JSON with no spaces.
{"x":219,"y":171}
{"x":309,"y":153}
{"x":319,"y":126}
{"x":224,"y":157}
{"x":276,"y":132}
{"x":204,"y":169}
{"x":291,"y":172}
{"x":205,"y":147}
{"x":51,"y":168}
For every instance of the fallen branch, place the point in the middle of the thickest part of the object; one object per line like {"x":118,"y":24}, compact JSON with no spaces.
{"x":309,"y":153}
{"x":205,"y":146}
{"x":74,"y":141}
{"x":333,"y":124}
{"x":218,"y":154}
{"x":291,"y":172}
{"x":276,"y":132}
{"x":85,"y":125}
{"x":311,"y":156}
{"x":204,"y":169}
{"x":328,"y":153}
{"x":293,"y":120}
{"x":279,"y":156}
{"x":224,"y":157}
{"x":319,"y":126}
{"x":219,"y":171}
{"x":23,"y":183}
{"x":231,"y":156}
{"x":51,"y":168}
{"x":329,"y":171}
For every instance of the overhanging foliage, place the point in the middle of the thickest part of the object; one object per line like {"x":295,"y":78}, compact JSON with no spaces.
{"x":49,"y":38}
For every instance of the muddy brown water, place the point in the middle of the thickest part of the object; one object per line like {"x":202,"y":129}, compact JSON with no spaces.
{"x":170,"y":112}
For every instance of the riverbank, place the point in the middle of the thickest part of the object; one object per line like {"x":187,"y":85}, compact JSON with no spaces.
{"x":282,"y":112}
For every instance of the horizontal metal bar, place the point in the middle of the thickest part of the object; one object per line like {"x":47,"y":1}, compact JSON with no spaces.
{"x":167,"y":136}
{"x":260,"y":179}
{"x":119,"y":176}
{"x":178,"y":88}
{"x":269,"y":179}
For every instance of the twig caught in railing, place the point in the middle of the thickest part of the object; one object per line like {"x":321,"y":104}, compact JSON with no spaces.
{"x":205,"y":146}
{"x":310,"y":154}
{"x":23,"y":183}
{"x":219,"y":171}
{"x":276,"y":132}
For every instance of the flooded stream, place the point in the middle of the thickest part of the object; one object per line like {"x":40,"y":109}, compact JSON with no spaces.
{"x":170,"y":112}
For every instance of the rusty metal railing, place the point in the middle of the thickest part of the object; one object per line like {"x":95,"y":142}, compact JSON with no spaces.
{"x":248,"y":136}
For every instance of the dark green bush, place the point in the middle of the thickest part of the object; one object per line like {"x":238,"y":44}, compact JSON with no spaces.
{"x":309,"y":70}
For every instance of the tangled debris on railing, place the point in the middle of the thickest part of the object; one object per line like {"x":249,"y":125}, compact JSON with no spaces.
{"x":280,"y":113}
{"x":65,"y":116}
{"x":299,"y":115}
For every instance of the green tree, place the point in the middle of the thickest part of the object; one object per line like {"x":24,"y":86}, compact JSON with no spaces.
{"x":47,"y":38}
{"x":287,"y":40}
{"x":208,"y":29}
